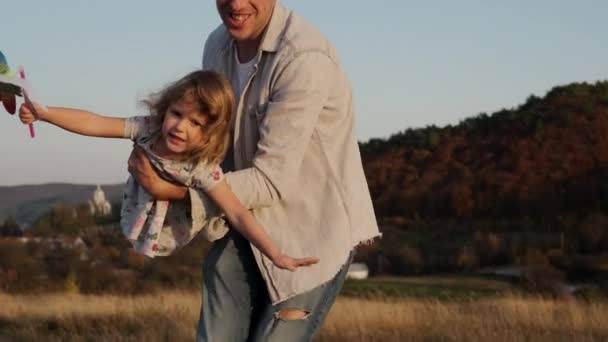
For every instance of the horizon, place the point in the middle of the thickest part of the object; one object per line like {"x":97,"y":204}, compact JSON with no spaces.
{"x":411,"y":65}
{"x":490,"y":114}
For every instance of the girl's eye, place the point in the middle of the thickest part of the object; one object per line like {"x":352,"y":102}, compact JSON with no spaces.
{"x":196,"y":123}
{"x":176,"y":113}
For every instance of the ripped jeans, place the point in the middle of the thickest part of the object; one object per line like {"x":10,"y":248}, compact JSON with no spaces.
{"x":236,"y":306}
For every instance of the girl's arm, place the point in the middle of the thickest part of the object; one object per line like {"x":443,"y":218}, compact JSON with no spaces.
{"x":246,"y":224}
{"x":75,"y":120}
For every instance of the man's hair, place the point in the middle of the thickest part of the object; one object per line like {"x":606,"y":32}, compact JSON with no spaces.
{"x":209,"y":93}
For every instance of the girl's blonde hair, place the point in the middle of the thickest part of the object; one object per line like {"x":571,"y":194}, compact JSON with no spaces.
{"x":212,"y":95}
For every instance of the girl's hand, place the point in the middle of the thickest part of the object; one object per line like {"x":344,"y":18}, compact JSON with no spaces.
{"x":28,"y":116}
{"x":288,"y":263}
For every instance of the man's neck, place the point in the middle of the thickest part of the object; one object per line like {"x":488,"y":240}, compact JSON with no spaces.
{"x":247,"y":50}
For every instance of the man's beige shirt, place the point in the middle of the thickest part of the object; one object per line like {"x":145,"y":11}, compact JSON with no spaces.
{"x":296,"y":152}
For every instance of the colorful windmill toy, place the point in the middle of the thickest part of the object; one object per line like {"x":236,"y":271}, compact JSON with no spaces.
{"x":11,"y":86}
{"x":8,"y":90}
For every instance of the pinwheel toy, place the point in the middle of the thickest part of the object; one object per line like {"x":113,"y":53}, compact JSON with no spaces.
{"x":9,"y":87}
{"x":12,"y":86}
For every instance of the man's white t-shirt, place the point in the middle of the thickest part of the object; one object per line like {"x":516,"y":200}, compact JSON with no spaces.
{"x":243,"y":72}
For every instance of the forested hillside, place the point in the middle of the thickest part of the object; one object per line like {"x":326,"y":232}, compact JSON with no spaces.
{"x":525,"y":187}
{"x":543,"y":158}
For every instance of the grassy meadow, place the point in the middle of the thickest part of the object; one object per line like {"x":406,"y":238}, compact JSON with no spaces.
{"x":444,"y":288}
{"x":172,"y":316}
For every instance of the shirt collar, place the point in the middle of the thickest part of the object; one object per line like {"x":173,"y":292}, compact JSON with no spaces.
{"x":272,"y":37}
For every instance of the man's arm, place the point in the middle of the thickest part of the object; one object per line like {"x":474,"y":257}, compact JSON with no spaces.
{"x":297,"y":99}
{"x":142,"y":170}
{"x":298,"y":96}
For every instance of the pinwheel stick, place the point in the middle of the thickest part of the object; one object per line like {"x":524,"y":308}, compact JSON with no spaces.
{"x":26,"y":96}
{"x":12,"y":86}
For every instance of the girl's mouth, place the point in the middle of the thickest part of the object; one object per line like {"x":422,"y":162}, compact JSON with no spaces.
{"x":175,"y":139}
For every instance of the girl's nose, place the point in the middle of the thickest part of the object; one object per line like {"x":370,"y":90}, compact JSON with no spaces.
{"x":181,"y":124}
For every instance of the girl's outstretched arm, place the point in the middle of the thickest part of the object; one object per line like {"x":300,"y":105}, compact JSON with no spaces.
{"x":246,"y":224}
{"x":74,"y":120}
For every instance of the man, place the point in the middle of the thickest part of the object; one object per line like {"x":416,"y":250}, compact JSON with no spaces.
{"x":294,"y":161}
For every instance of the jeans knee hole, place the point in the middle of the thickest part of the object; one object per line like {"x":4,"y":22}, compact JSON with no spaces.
{"x":291,"y":314}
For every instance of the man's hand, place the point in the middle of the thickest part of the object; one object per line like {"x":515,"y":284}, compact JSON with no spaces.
{"x":141,"y":169}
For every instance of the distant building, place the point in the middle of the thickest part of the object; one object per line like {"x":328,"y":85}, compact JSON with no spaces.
{"x":99,"y":206}
{"x":60,"y":243}
{"x":357,"y":270}
{"x":56,"y":242}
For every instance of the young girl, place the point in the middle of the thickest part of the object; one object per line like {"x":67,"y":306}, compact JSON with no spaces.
{"x":185,"y":137}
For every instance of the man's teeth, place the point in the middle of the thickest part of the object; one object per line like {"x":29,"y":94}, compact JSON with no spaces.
{"x":239,"y":17}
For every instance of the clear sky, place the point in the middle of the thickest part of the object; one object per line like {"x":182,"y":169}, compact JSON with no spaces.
{"x":412,"y":63}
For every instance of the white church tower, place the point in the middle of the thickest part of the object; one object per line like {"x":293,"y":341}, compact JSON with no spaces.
{"x":99,"y":206}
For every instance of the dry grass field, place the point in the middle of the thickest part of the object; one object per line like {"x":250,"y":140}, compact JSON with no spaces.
{"x":172,"y":317}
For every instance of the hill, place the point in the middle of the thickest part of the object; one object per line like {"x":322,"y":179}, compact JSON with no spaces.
{"x":522,"y":186}
{"x":525,"y":186}
{"x":26,"y":203}
{"x":542,"y":159}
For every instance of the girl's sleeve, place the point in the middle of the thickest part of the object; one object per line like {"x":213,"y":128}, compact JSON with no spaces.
{"x":206,"y":177}
{"x":135,"y":126}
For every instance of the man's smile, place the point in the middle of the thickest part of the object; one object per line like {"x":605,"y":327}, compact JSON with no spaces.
{"x":236,"y":19}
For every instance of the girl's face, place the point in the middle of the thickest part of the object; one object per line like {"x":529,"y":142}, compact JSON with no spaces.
{"x":182,"y":129}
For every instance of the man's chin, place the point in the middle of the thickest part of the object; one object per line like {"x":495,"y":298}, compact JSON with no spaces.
{"x":237,"y":34}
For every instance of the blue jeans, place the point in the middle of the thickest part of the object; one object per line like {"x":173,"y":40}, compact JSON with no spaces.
{"x":236,"y":306}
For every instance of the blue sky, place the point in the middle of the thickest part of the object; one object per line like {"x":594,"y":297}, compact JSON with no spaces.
{"x":412,"y":64}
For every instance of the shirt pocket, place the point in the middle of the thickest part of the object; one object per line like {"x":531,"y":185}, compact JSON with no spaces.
{"x":257,"y":113}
